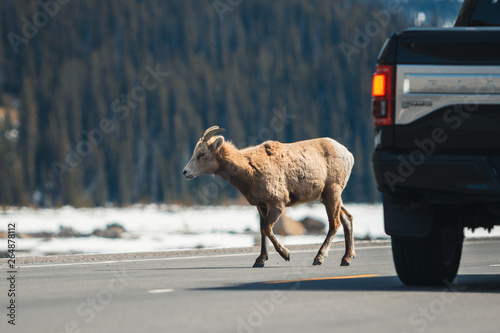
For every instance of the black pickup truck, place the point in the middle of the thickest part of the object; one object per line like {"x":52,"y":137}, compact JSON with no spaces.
{"x":436,"y":109}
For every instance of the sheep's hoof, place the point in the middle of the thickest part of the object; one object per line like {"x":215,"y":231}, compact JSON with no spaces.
{"x":318,"y":260}
{"x":346,"y":260}
{"x":286,"y":254}
{"x":345,"y":263}
{"x":258,"y":264}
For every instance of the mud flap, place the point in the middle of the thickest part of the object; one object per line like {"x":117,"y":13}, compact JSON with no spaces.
{"x":407,"y":220}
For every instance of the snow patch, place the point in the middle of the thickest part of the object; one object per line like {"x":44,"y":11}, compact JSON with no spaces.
{"x":162,"y":227}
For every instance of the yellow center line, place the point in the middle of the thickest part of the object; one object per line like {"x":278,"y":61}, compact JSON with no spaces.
{"x":326,"y":278}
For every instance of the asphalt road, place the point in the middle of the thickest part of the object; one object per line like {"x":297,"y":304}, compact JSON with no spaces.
{"x":222,"y":293}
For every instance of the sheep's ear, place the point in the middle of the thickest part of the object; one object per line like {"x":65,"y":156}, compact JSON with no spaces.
{"x":217,"y":143}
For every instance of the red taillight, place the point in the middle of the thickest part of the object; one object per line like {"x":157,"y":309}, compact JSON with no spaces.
{"x":382,"y":95}
{"x":378,"y":86}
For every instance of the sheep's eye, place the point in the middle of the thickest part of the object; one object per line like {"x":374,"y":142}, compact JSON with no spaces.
{"x":200,"y":155}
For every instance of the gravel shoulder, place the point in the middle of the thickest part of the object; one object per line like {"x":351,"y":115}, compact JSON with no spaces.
{"x":70,"y":258}
{"x":74,"y":258}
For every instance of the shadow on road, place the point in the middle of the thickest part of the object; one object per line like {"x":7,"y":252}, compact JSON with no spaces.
{"x":471,"y":283}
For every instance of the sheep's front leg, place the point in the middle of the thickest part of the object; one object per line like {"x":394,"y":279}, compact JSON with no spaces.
{"x":273,"y":214}
{"x":259,"y":262}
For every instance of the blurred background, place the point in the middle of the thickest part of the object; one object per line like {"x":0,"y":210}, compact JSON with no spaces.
{"x":102,"y":102}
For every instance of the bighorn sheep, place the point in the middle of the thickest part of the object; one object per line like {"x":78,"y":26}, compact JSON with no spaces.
{"x":276,"y":175}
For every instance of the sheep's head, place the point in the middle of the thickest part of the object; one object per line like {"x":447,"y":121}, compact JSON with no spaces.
{"x":203,"y":161}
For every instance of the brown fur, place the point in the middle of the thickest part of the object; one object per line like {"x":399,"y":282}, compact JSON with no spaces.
{"x":276,"y":175}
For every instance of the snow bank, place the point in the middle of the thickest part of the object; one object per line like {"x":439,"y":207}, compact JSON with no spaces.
{"x":162,"y":227}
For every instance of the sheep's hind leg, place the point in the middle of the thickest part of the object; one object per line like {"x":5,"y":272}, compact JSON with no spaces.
{"x":332,"y":205}
{"x":347,"y":224}
{"x":259,"y":262}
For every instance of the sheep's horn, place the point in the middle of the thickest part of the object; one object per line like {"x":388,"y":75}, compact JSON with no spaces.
{"x":211,"y":132}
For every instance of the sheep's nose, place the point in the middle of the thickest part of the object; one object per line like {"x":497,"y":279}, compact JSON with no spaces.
{"x":184,"y":172}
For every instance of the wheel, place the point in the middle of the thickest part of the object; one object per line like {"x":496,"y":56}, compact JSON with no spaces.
{"x":433,"y":260}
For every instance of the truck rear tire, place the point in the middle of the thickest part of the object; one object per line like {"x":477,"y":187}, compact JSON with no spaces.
{"x":432,"y":260}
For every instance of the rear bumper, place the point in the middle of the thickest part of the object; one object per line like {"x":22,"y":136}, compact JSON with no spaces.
{"x":438,"y":178}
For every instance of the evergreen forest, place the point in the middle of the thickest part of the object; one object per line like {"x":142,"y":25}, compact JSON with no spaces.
{"x":102,"y":102}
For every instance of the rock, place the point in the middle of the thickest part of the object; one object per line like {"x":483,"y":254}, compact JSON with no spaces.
{"x":29,"y":235}
{"x":313,"y":226}
{"x":23,"y":235}
{"x":113,"y":230}
{"x":98,"y":232}
{"x":46,"y":235}
{"x":286,"y":226}
{"x":68,"y":232}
